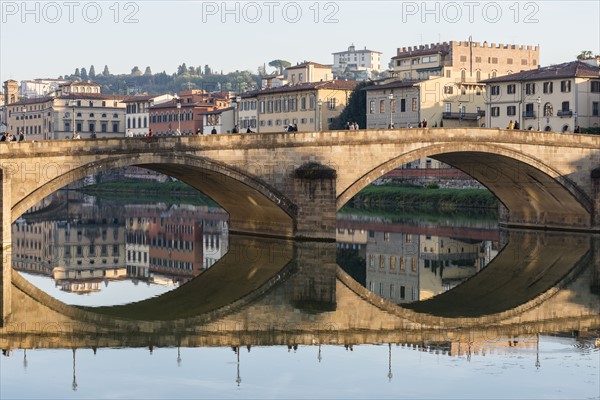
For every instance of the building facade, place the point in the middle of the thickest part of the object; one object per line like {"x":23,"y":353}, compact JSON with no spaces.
{"x":308,"y":106}
{"x":307,"y":72}
{"x":137,"y":119}
{"x":353,"y":60}
{"x":555,"y":98}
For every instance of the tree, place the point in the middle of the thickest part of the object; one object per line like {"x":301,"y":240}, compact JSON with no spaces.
{"x":280,"y":65}
{"x":92,"y":73}
{"x":77,"y":73}
{"x":135,"y":71}
{"x":262,"y":70}
{"x":586,"y":55}
{"x":207,"y":70}
{"x":105,"y":72}
{"x":355,"y":110}
{"x":148,"y":72}
{"x":182,"y":69}
{"x":84,"y":74}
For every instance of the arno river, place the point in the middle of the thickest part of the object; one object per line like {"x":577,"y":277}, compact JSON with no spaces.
{"x":166,"y":303}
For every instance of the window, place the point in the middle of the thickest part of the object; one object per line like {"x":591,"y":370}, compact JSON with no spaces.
{"x":463,"y":58}
{"x":548,"y":111}
{"x":448,"y":107}
{"x":495,"y":111}
{"x":303,"y":103}
{"x":548,"y":86}
{"x":565,"y":86}
{"x":523,"y":61}
{"x":402,"y":105}
{"x":530,"y":88}
{"x":509,"y":61}
{"x":115,"y":127}
{"x":463,"y":75}
{"x":511,"y":110}
{"x":448,"y":89}
{"x":595,"y":86}
{"x":381,"y":106}
{"x":595,"y":108}
{"x":414,"y":104}
{"x":565,"y":106}
{"x":478,"y":75}
{"x":511,"y":89}
{"x":495,"y":90}
{"x":372,"y":107}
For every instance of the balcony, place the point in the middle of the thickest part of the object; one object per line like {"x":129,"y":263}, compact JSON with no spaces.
{"x":461,"y":115}
{"x":529,"y":114}
{"x":564,"y":113}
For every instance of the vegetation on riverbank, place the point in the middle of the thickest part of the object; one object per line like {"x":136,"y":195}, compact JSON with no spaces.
{"x":151,"y":192}
{"x":393,"y":197}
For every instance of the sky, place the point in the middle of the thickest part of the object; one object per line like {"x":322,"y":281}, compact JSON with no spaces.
{"x":46,"y":39}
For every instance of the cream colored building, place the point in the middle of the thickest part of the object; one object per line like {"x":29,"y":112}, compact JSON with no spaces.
{"x":353,"y":60}
{"x":309,"y":106}
{"x":554,"y":98}
{"x":308,"y":72}
{"x":447,"y":77}
{"x":248,"y":112}
{"x":60,"y":117}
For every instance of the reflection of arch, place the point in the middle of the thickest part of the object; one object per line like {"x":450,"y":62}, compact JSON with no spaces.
{"x":548,"y":110}
{"x":249,"y":201}
{"x":548,"y":128}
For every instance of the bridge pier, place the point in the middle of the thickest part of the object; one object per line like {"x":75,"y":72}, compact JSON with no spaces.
{"x":315,"y":197}
{"x":5,"y":235}
{"x":314,"y":280}
{"x":595,"y":175}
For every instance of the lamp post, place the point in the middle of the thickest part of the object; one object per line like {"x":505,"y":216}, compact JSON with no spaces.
{"x":24,"y":109}
{"x":319,"y":111}
{"x":179,"y":117}
{"x":238,"y":101}
{"x":391,"y":97}
{"x":539,"y":102}
{"x":73,"y":103}
{"x":460,"y":114}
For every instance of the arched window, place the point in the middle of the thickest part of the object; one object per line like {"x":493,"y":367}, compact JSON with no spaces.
{"x":494,"y":72}
{"x":463,"y":75}
{"x":145,"y":122}
{"x":133,"y":123}
{"x":478,"y":75}
{"x":128,"y":123}
{"x":139,"y":122}
{"x":548,"y":110}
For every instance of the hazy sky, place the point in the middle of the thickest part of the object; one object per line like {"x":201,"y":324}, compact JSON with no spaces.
{"x":46,"y":39}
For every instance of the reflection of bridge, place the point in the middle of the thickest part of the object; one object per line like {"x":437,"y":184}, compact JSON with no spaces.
{"x":280,"y":292}
{"x":544,"y":179}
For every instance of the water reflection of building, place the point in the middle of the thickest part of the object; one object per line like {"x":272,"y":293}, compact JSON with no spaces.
{"x":404,"y":267}
{"x":82,"y":243}
{"x":393,"y":265}
{"x":446,"y":262}
{"x":350,"y":238}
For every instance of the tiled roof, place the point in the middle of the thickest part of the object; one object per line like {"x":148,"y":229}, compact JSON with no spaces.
{"x":140,"y":97}
{"x":171,"y":104}
{"x":573,"y":69}
{"x":305,"y":64}
{"x":394,"y":85}
{"x":327,"y":85}
{"x":91,"y":96}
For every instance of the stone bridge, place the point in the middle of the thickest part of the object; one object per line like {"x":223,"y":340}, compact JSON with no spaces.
{"x":291,"y":184}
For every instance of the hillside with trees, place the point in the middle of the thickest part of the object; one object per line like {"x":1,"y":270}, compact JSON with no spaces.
{"x":186,"y":77}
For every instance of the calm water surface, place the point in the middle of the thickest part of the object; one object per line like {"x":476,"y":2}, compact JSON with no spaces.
{"x":278,"y":320}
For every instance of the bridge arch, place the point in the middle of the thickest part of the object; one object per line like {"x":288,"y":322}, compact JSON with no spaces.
{"x":528,"y":187}
{"x":253,"y":205}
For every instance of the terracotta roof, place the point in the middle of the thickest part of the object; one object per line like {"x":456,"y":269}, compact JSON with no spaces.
{"x":31,"y":101}
{"x":573,"y":69}
{"x":328,"y":85}
{"x":91,"y":96}
{"x":394,"y":85}
{"x":307,"y":63}
{"x":171,"y":104}
{"x":217,"y":111}
{"x":140,"y":97}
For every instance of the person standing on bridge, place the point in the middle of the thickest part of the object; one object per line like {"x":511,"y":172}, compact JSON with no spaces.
{"x":511,"y":124}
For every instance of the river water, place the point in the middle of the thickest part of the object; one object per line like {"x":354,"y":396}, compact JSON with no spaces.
{"x":445,"y":306}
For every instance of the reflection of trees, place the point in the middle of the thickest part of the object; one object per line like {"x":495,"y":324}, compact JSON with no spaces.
{"x":353,"y":264}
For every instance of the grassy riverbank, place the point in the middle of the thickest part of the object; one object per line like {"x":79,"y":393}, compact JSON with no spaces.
{"x":391,"y":197}
{"x":167,"y":192}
